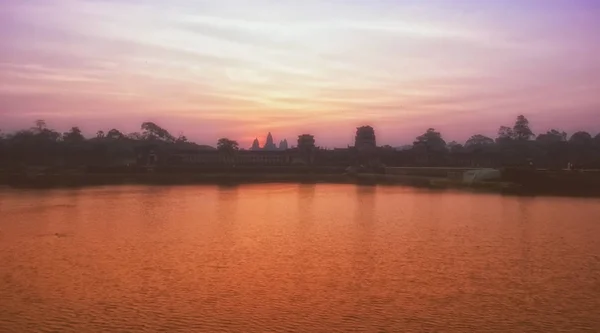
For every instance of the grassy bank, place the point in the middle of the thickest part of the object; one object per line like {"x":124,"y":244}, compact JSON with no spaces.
{"x":96,"y":179}
{"x":100,"y":179}
{"x":61,"y":180}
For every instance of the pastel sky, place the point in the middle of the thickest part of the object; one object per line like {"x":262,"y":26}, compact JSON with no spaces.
{"x":241,"y":68}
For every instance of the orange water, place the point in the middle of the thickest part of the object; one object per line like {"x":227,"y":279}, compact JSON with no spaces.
{"x":296,"y":258}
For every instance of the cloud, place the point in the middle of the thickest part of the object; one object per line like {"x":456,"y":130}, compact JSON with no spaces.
{"x":302,"y":65}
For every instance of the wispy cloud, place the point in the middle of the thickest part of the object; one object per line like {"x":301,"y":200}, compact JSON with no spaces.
{"x":289,"y":65}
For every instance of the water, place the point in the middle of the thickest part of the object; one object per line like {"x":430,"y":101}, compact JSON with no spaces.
{"x":296,"y":258}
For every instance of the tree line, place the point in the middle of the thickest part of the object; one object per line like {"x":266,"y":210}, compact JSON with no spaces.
{"x":41,"y":132}
{"x":149,"y":131}
{"x":43,"y":145}
{"x":512,"y":145}
{"x":518,"y":144}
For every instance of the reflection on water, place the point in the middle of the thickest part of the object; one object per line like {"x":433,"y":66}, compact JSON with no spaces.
{"x":305,"y":258}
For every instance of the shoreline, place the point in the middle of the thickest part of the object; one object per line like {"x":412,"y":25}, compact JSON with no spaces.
{"x":80,"y":180}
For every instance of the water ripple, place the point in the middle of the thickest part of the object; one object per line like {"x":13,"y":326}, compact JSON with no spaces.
{"x":306,"y":258}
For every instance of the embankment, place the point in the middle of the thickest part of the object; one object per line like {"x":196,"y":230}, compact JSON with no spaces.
{"x":520,"y":182}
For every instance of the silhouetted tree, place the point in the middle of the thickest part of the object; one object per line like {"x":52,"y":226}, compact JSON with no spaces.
{"x":42,"y":133}
{"x":429,"y":148}
{"x":40,"y":125}
{"x":136,"y":136}
{"x":181,"y":139}
{"x":479,"y":140}
{"x":433,"y":140}
{"x":152,"y":131}
{"x":521,"y":129}
{"x":513,"y":143}
{"x":73,"y":135}
{"x":114,"y":134}
{"x":552,"y":136}
{"x":581,"y":149}
{"x":581,"y":138}
{"x":41,"y":145}
{"x":226,"y":145}
{"x":505,"y":135}
{"x":37,"y":145}
{"x":455,"y":147}
{"x":551,"y":149}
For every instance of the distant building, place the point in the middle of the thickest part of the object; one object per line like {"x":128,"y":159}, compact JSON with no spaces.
{"x":365,"y":155}
{"x":240,"y":158}
{"x":306,"y":142}
{"x":269,"y":144}
{"x":365,"y":138}
{"x":335,"y":157}
{"x":255,"y":145}
{"x":213,"y":158}
{"x":283,"y":145}
{"x":306,"y":149}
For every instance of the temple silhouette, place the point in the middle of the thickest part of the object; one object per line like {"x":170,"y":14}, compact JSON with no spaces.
{"x":155,"y":147}
{"x":549,"y":162}
{"x":269,"y":145}
{"x":364,"y":153}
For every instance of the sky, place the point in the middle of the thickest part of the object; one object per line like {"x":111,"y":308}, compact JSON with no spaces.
{"x":243,"y":68}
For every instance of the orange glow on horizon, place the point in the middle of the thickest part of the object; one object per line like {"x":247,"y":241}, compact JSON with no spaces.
{"x":214,"y":71}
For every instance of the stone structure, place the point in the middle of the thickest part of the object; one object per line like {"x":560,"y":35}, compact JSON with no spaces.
{"x":365,"y":138}
{"x":306,"y":149}
{"x":306,"y":142}
{"x":255,"y":145}
{"x":240,"y":158}
{"x":283,"y":145}
{"x":269,"y":145}
{"x":365,"y":154}
{"x":365,"y":148}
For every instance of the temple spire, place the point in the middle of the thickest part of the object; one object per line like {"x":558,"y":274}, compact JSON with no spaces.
{"x":255,"y":145}
{"x":270,"y":145}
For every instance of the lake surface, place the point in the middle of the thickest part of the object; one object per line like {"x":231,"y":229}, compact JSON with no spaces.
{"x":296,"y":258}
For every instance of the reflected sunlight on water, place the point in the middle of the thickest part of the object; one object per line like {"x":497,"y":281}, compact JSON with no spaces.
{"x":305,"y":258}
